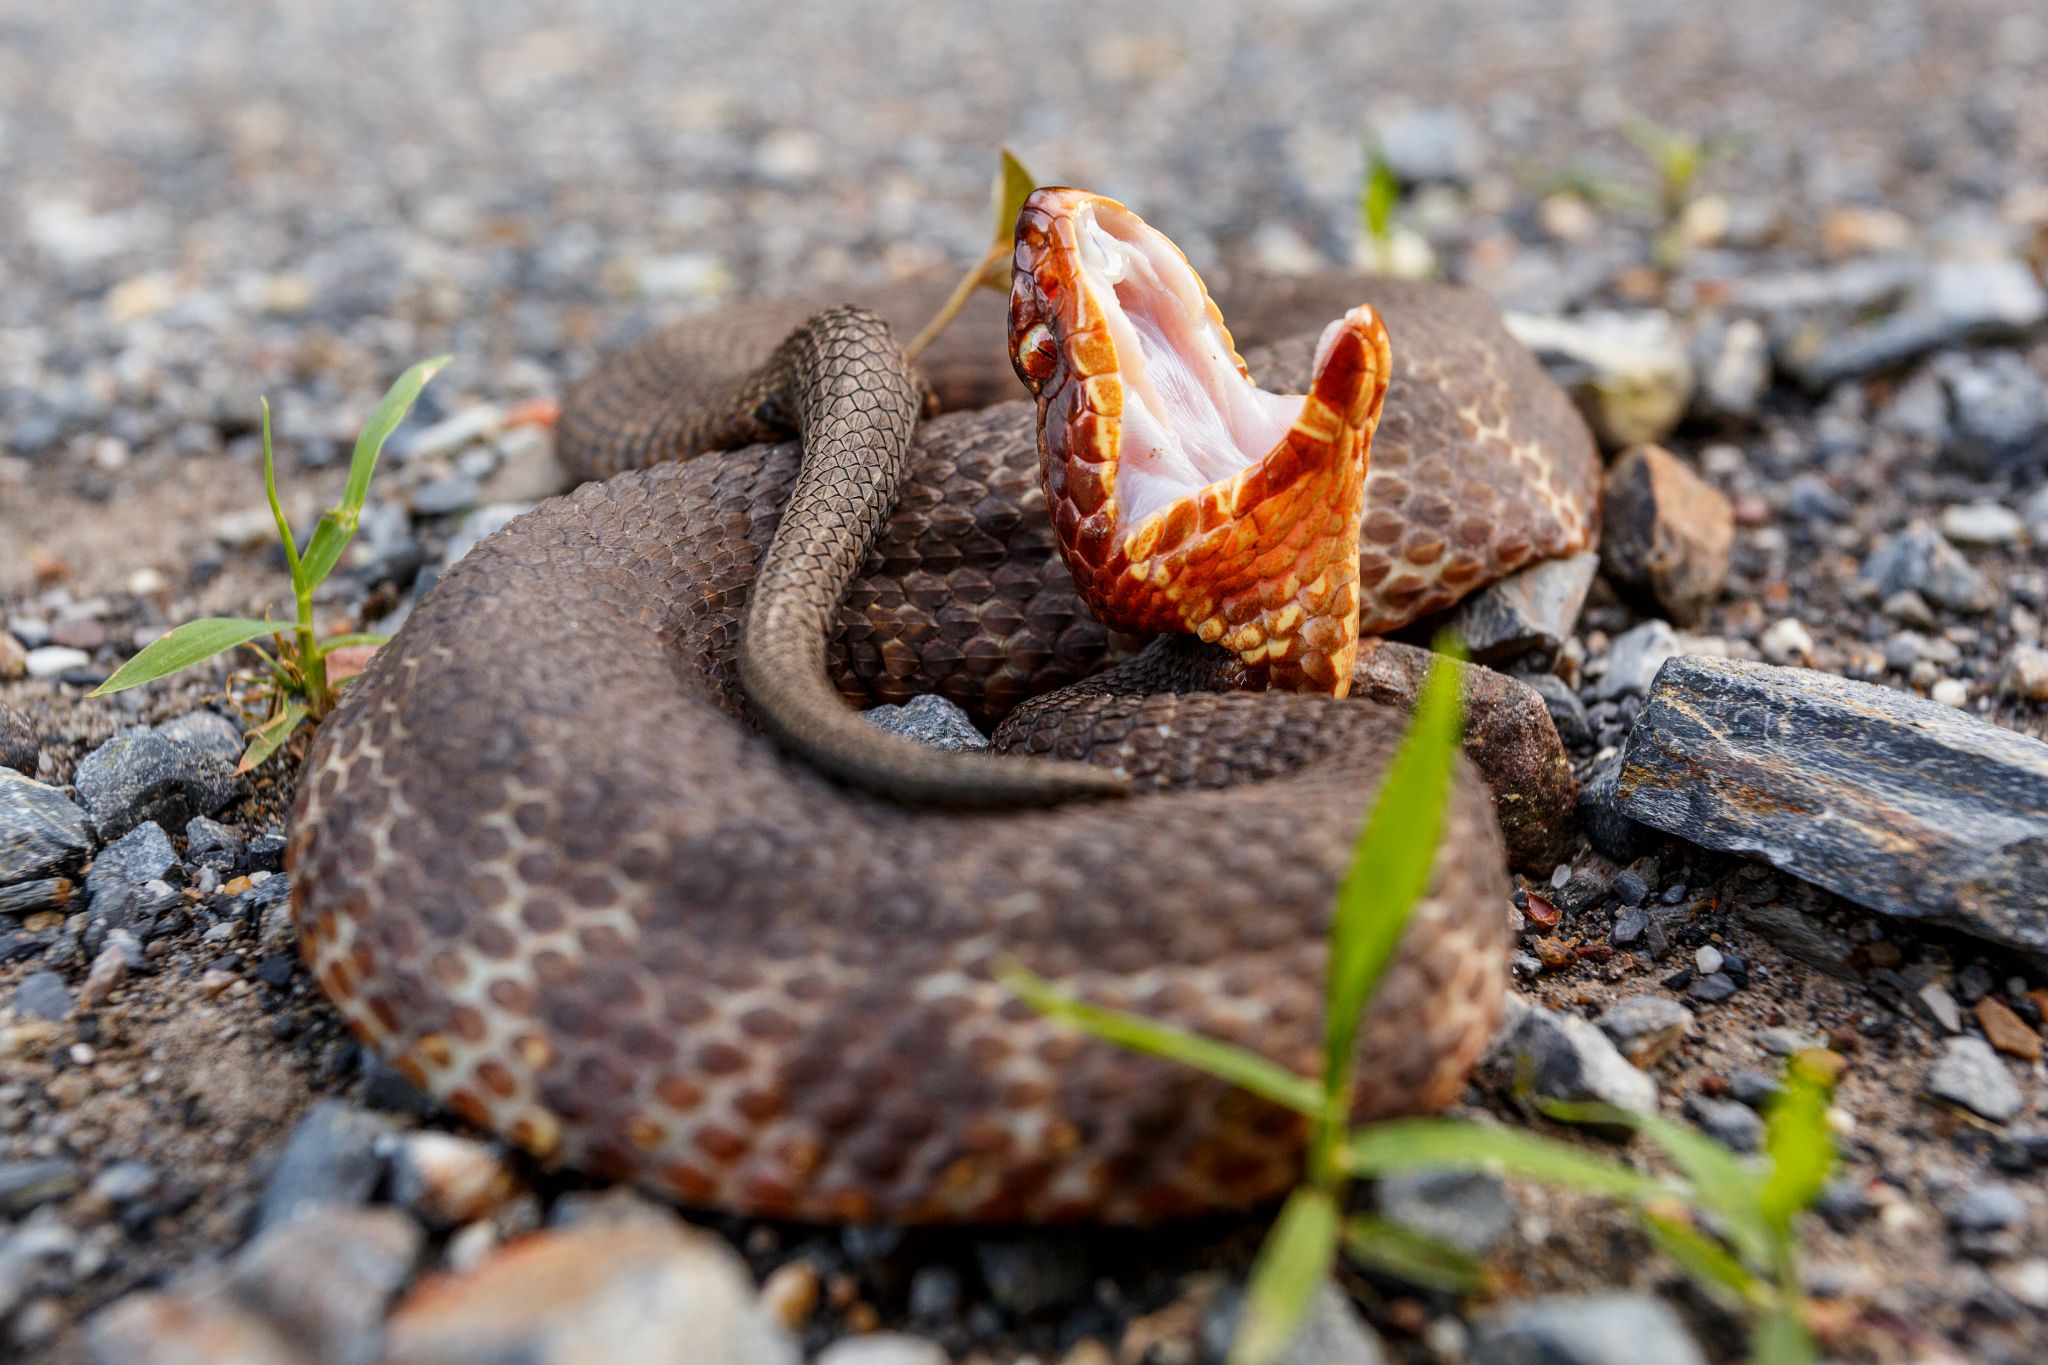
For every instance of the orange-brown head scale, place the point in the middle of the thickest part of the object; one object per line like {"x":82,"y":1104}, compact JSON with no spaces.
{"x":1184,"y":497}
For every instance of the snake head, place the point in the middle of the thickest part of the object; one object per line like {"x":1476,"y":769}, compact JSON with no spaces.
{"x":1184,"y":496}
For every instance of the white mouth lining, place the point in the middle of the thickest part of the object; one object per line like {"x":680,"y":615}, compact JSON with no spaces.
{"x":1189,"y":418}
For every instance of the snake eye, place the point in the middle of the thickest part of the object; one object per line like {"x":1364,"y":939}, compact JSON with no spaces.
{"x":1036,"y":355}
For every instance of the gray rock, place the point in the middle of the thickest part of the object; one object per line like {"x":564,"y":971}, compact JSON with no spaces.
{"x":484,"y":521}
{"x":1941,"y":1006}
{"x":1633,"y":658}
{"x":1999,"y":406}
{"x":40,"y":1180}
{"x":1667,"y":534}
{"x":1612,"y":832}
{"x":1733,"y":360}
{"x":1550,"y":1056}
{"x":211,"y":836}
{"x":883,"y":1348}
{"x":1434,"y":144}
{"x":1030,"y":1272}
{"x":1534,"y":610}
{"x":1981,"y":523}
{"x":1585,"y":1329}
{"x":1729,"y":1122}
{"x":1469,"y":1210}
{"x":1957,"y":302}
{"x":1331,"y":1334}
{"x":124,"y":889}
{"x":1646,"y":1027}
{"x":1712,"y":988}
{"x":1921,"y":560}
{"x":1898,"y":803}
{"x":1783,"y":1042}
{"x":442,"y":497}
{"x":1567,"y":712}
{"x":1989,"y":1207}
{"x":19,"y":747}
{"x":42,"y":995}
{"x":1628,"y":372}
{"x":1810,"y":498}
{"x":1970,"y":1074}
{"x":929,"y":719}
{"x":325,"y":1279}
{"x":124,"y":1182}
{"x":331,"y":1158}
{"x":42,"y":832}
{"x":180,"y":769}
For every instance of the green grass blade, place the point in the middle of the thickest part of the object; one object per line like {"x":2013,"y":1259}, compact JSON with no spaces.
{"x":338,"y":525}
{"x":1381,"y":192}
{"x":1413,"y":1256}
{"x":267,"y":738}
{"x":1801,"y":1151}
{"x":1013,"y":185}
{"x":1290,"y":1268}
{"x":1246,"y":1070}
{"x":187,"y":645}
{"x":1700,"y":1256}
{"x":1781,"y":1337}
{"x":1456,"y":1145}
{"x":284,"y":527}
{"x":1390,"y":868}
{"x":1721,"y":1184}
{"x":358,"y":638}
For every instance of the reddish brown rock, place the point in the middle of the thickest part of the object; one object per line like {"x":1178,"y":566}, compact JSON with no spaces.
{"x":2008,"y":1032}
{"x":1508,"y":734}
{"x":1668,"y":534}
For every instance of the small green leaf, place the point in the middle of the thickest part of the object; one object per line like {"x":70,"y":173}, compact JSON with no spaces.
{"x":183,"y":647}
{"x":1701,"y":1256}
{"x":267,"y":738}
{"x":1721,"y":1184}
{"x":1379,"y":195}
{"x":359,"y":638}
{"x":1246,"y":1070}
{"x":1390,"y":868}
{"x":284,"y":527}
{"x":1781,"y":1337}
{"x":1290,"y":1268}
{"x":1797,"y":1142}
{"x":338,"y":525}
{"x":1413,"y":1256}
{"x":1453,"y":1145}
{"x":1013,"y":185}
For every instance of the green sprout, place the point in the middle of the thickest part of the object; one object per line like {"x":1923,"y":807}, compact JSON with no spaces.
{"x":1744,"y":1241}
{"x":1013,"y":185}
{"x":1378,"y":197}
{"x":297,"y":688}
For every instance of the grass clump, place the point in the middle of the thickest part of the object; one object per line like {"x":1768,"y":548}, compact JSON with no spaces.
{"x":294,"y":686}
{"x":1730,"y":1224}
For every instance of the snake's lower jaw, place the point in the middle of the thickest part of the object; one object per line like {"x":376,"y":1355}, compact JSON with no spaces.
{"x":1184,"y":497}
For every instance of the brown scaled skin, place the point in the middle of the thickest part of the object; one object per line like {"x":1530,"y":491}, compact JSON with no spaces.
{"x":545,"y":861}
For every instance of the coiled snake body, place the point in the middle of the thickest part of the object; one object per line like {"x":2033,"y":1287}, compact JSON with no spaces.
{"x":546,"y":861}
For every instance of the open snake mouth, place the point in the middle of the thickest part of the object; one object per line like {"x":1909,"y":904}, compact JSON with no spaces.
{"x":1185,"y":497}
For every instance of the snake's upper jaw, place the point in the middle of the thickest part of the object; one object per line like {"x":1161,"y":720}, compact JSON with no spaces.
{"x":1186,"y":498}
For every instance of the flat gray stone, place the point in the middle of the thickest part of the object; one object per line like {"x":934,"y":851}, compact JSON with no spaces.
{"x":1545,"y":1055}
{"x":1970,"y":1074}
{"x":1646,"y":1027}
{"x":331,"y":1159}
{"x":1534,"y":610}
{"x":1898,"y":803}
{"x":169,"y":774}
{"x":42,"y":831}
{"x":1585,"y":1329}
{"x":1470,"y":1210}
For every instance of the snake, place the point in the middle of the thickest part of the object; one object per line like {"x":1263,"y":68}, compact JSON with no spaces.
{"x":599,"y":852}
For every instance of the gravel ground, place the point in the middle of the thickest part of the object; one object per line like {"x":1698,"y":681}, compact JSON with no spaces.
{"x":211,"y":202}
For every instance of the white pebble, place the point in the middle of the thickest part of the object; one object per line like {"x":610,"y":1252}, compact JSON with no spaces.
{"x":1707,"y":959}
{"x":1952,"y":692}
{"x":53,"y":660}
{"x":1981,"y":523}
{"x":1787,"y":642}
